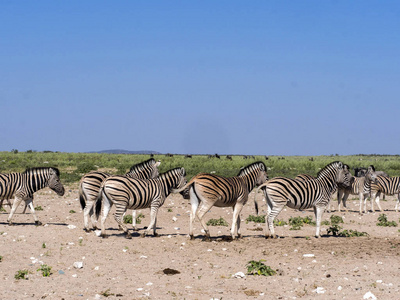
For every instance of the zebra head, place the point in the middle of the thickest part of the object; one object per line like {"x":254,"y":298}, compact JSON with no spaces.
{"x":344,"y":177}
{"x":262,"y":175}
{"x":176,"y":178}
{"x":371,"y":175}
{"x":54,"y":181}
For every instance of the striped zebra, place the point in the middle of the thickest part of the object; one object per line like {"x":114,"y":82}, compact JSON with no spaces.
{"x":208,"y":190}
{"x":299,"y":194}
{"x":22,"y":186}
{"x":361,"y":186}
{"x":89,"y":187}
{"x":128,"y":193}
{"x":388,"y":185}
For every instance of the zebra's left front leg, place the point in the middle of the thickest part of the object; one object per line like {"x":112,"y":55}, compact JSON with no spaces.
{"x":119,"y":216}
{"x":134,"y":220}
{"x":236,"y":221}
{"x":153,"y":222}
{"x":318,"y":212}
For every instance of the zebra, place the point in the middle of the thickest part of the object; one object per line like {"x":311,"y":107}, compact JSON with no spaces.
{"x":207,"y":190}
{"x":299,"y":194}
{"x":134,"y":194}
{"x":361,"y":186}
{"x":22,"y":186}
{"x":89,"y":187}
{"x":389,"y":186}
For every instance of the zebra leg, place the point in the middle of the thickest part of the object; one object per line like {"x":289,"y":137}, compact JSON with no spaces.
{"x":16,"y":203}
{"x":119,"y":217}
{"x":236,"y":220}
{"x":344,"y":200}
{"x":362,"y":196}
{"x":201,"y":211}
{"x":376,"y":199}
{"x":318,"y":212}
{"x":107,"y":204}
{"x":153,"y":222}
{"x":396,"y":208}
{"x":273,"y":212}
{"x":88,"y":210}
{"x":134,"y":220}
{"x":194,"y":201}
{"x":377,"y":202}
{"x":29,"y":203}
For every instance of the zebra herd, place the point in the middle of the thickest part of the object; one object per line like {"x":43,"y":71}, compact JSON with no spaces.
{"x":143,"y":187}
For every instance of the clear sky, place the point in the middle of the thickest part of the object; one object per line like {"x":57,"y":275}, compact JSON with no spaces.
{"x":201,"y":77}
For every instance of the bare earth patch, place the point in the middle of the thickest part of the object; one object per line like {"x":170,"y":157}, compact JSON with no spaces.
{"x":173,"y":267}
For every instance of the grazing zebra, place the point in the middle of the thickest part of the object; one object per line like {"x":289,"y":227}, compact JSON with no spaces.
{"x":389,"y":186}
{"x":207,"y":190}
{"x":89,"y":187}
{"x":361,"y":186}
{"x":22,"y":186}
{"x":128,"y":193}
{"x":299,"y":194}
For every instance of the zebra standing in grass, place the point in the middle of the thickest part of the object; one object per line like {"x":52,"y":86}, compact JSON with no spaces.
{"x":128,"y":193}
{"x":22,"y":186}
{"x":207,"y":190}
{"x":89,"y":187}
{"x":388,"y":185}
{"x":299,"y":194}
{"x":361,"y":186}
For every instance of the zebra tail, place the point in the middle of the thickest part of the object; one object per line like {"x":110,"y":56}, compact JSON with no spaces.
{"x":183,"y":188}
{"x":82,"y":199}
{"x":99,"y":202}
{"x":255,"y":197}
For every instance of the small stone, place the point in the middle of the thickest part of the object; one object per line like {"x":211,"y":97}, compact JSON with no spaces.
{"x":319,"y":290}
{"x":369,"y":296}
{"x":239,"y":275}
{"x":71,"y":226}
{"x":78,"y":265}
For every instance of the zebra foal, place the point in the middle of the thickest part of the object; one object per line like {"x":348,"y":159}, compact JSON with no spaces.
{"x":22,"y":186}
{"x":128,"y":193}
{"x":298,"y":194}
{"x":207,"y":190}
{"x":89,"y":188}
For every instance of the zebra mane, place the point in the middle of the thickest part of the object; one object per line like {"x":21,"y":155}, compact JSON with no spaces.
{"x":31,"y":170}
{"x":372,"y":168}
{"x":329,"y":166}
{"x":139,"y":166}
{"x":251,"y":167}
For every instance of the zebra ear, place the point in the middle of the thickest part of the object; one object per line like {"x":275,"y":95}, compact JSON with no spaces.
{"x":340,"y":166}
{"x":158,"y":163}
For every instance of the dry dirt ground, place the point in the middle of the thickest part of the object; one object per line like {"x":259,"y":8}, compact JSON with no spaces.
{"x":118,"y":268}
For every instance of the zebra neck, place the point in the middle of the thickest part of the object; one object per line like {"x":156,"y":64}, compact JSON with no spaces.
{"x":249,"y":181}
{"x":35,"y":182}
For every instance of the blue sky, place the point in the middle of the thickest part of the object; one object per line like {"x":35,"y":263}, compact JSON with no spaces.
{"x":200,"y":77}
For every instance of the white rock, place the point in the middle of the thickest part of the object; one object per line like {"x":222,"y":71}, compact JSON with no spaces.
{"x":74,"y":275}
{"x":143,"y":256}
{"x":239,"y":275}
{"x":78,"y":265}
{"x":71,"y":226}
{"x":96,"y":268}
{"x":379,"y":281}
{"x":97,"y":232}
{"x":174,"y":219}
{"x":339,"y":288}
{"x":139,"y":289}
{"x":369,"y":296}
{"x":97,"y":296}
{"x":149,"y":283}
{"x":308,"y":255}
{"x":319,"y":290}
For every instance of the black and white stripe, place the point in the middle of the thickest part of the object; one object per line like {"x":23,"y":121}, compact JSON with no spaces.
{"x":360,"y":186}
{"x":389,"y":186}
{"x":208,"y":190}
{"x":299,"y":194}
{"x":22,"y":186}
{"x":89,"y":187}
{"x":128,"y":193}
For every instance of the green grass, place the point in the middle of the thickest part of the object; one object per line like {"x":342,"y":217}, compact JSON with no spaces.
{"x":74,"y":165}
{"x":217,"y":222}
{"x":46,"y":270}
{"x":21,"y":274}
{"x":383,"y":221}
{"x":259,"y":268}
{"x":128,"y":218}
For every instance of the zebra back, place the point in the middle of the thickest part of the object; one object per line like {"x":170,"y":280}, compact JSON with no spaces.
{"x":387,"y":185}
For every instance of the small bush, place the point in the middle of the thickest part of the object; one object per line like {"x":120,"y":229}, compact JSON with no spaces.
{"x":43,"y":245}
{"x":383,"y":221}
{"x":21,"y":274}
{"x":1,"y":258}
{"x":217,"y":222}
{"x":128,"y":219}
{"x":38,"y":208}
{"x":279,"y":222}
{"x":46,"y":270}
{"x":259,"y":268}
{"x":72,"y":211}
{"x":352,"y":233}
{"x":298,"y":222}
{"x":336,"y":219}
{"x":255,"y":219}
{"x":334,"y":229}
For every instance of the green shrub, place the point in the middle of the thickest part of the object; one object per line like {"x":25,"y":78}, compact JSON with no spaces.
{"x":259,"y":268}
{"x":39,"y":208}
{"x":21,"y":274}
{"x":383,"y":221}
{"x":336,"y":219}
{"x":334,"y":229}
{"x":128,"y":219}
{"x":352,"y":233}
{"x":256,"y":219}
{"x":46,"y":270}
{"x":217,"y":222}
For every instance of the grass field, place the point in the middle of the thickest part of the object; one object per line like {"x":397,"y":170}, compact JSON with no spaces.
{"x":74,"y":165}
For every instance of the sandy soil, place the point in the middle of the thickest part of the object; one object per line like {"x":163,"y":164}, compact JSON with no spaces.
{"x":118,"y":268}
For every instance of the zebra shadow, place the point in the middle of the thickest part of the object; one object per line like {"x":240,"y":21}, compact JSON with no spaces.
{"x":33,"y":223}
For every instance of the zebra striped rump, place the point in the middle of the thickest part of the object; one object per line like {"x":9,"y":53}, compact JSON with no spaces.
{"x":389,"y":186}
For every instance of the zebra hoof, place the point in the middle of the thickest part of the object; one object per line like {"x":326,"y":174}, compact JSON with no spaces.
{"x":38,"y":223}
{"x":10,"y":223}
{"x":156,"y":234}
{"x":191,"y":237}
{"x":104,"y":236}
{"x":128,"y":236}
{"x":135,"y":228}
{"x":206,"y":239}
{"x":143,"y":235}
